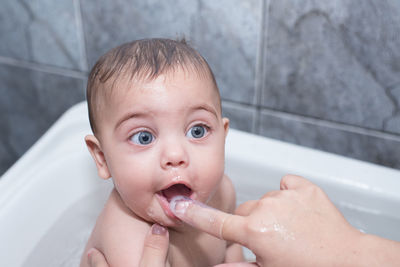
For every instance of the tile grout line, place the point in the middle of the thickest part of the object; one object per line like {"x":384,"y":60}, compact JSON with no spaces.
{"x":84,"y":84}
{"x":317,"y":122}
{"x":81,"y":37}
{"x":333,"y":125}
{"x":81,"y":34}
{"x":261,"y":56}
{"x":42,"y":68}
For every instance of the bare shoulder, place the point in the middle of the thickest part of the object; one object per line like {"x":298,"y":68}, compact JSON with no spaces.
{"x":118,"y":234}
{"x":225,"y":197}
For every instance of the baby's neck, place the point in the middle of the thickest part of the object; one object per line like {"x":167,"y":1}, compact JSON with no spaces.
{"x":191,"y":247}
{"x":182,"y":230}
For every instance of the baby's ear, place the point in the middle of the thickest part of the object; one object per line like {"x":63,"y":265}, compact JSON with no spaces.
{"x":225,"y":122}
{"x":94,"y":147}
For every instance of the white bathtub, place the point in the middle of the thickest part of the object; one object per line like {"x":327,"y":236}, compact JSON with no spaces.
{"x":50,"y":198}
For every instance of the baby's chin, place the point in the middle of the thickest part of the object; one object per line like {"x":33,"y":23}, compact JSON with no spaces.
{"x":165,"y":221}
{"x":159,"y":211}
{"x":163,"y":217}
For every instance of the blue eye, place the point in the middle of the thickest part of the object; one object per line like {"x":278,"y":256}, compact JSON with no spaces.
{"x":197,"y":131}
{"x":142,"y":138}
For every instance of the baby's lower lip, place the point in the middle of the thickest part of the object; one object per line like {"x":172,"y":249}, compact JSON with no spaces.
{"x":165,"y":206}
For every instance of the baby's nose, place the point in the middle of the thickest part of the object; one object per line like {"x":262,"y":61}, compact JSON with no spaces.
{"x":174,"y":156}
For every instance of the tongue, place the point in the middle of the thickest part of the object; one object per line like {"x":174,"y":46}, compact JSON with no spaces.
{"x":176,"y":190}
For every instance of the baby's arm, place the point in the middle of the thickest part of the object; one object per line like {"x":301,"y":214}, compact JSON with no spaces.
{"x":118,"y":234}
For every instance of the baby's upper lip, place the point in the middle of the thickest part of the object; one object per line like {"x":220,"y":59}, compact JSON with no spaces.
{"x":174,"y":182}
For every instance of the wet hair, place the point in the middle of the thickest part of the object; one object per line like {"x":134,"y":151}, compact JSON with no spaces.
{"x":142,"y":60}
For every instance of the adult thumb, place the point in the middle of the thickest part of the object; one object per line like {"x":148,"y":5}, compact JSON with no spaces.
{"x":155,"y":247}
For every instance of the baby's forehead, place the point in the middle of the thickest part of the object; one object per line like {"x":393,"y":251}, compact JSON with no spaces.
{"x":139,"y":89}
{"x":125,"y":83}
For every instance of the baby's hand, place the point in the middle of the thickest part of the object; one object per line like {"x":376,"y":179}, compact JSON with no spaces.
{"x":154,"y":250}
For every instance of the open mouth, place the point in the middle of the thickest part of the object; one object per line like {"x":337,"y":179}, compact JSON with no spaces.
{"x":176,"y":190}
{"x":166,"y":195}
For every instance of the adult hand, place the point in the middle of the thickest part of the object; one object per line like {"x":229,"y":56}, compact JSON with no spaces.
{"x":154,"y":251}
{"x":295,"y":226}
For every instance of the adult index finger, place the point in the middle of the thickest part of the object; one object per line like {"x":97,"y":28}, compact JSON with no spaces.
{"x":215,"y":222}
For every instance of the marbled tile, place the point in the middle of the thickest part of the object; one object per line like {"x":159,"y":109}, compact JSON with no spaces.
{"x":225,"y":32}
{"x":42,"y":31}
{"x":378,"y":148}
{"x":30,"y":102}
{"x":240,"y":117}
{"x":110,"y":23}
{"x":227,"y":35}
{"x":392,"y":124}
{"x":7,"y":155}
{"x":333,"y":60}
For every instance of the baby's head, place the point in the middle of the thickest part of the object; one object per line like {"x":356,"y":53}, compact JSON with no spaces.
{"x":140,"y":61}
{"x":155,"y":112}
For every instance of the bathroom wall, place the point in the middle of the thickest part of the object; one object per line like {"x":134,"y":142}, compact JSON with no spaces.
{"x":323,"y":74}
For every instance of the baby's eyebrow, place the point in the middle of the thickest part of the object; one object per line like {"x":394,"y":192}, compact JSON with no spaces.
{"x":205,"y":107}
{"x":135,"y":114}
{"x":128,"y":116}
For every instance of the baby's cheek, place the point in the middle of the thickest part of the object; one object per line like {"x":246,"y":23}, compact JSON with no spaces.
{"x":132,"y":190}
{"x":137,"y":201}
{"x":212,"y":177}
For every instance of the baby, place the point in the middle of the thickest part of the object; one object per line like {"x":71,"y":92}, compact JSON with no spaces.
{"x":155,"y":112}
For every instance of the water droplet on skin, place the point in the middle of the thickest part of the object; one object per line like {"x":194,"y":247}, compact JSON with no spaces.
{"x":284,"y":233}
{"x":264,"y":227}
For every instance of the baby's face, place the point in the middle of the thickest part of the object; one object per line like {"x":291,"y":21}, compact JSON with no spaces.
{"x":163,"y":138}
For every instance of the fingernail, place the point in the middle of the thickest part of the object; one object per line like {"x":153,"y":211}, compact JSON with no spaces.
{"x":157,"y":229}
{"x":179,"y":204}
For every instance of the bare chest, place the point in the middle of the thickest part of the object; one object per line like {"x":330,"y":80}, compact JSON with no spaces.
{"x":197,"y":250}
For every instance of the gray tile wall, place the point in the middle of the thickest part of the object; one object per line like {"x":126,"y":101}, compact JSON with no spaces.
{"x":323,"y":74}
